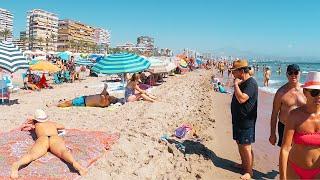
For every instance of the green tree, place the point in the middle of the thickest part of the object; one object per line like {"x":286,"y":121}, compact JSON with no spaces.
{"x":5,"y":34}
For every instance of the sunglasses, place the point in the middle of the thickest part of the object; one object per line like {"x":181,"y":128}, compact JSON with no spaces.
{"x":292,"y":72}
{"x":314,"y":92}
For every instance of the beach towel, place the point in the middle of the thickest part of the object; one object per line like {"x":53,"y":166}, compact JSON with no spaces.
{"x":85,"y":146}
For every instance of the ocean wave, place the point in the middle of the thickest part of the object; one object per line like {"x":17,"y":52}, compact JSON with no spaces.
{"x":271,"y":90}
{"x":271,"y":81}
{"x":304,"y":72}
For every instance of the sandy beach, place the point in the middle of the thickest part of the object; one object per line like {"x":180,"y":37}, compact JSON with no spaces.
{"x":139,"y":154}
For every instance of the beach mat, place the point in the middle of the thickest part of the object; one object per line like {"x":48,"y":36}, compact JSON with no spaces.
{"x":85,"y":146}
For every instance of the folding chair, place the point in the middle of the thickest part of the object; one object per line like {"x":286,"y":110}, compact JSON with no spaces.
{"x":4,"y":91}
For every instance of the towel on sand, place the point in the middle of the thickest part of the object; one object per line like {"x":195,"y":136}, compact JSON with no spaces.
{"x":85,"y":146}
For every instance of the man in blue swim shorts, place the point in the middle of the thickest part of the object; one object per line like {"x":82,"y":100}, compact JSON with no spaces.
{"x":98,"y":100}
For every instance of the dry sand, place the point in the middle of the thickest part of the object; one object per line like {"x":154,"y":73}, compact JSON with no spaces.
{"x":139,"y":154}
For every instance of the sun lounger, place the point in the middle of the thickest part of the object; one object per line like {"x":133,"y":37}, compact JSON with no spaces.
{"x":4,"y":92}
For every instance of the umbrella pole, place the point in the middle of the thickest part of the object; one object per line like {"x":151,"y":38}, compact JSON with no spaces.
{"x":2,"y":100}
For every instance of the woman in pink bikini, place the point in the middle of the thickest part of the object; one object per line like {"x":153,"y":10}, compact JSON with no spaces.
{"x":300,"y":151}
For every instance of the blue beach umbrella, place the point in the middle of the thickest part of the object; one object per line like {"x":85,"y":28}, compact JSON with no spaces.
{"x":84,"y":62}
{"x":64,"y":56}
{"x":199,"y":61}
{"x":11,"y":59}
{"x":121,"y":63}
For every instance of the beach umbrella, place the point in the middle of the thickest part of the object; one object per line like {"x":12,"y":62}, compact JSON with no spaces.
{"x":183,"y":63}
{"x":121,"y":63}
{"x":33,"y":61}
{"x":64,"y":55}
{"x":157,"y":65}
{"x":11,"y":58}
{"x":45,"y":66}
{"x":84,"y":62}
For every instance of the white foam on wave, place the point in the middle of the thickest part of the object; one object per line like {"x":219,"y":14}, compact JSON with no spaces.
{"x":271,"y":90}
{"x":304,"y":72}
{"x":274,"y":81}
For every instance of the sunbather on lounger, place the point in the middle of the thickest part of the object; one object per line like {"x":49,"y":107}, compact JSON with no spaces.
{"x":97,"y":100}
{"x":47,"y":140}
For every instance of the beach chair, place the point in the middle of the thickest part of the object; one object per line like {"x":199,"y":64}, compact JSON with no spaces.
{"x":4,"y":92}
{"x":56,"y":79}
{"x":67,"y":76}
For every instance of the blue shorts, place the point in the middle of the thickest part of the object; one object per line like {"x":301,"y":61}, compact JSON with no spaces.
{"x":243,"y":136}
{"x":79,"y":101}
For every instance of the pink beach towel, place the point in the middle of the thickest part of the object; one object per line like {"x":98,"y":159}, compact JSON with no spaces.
{"x":85,"y":146}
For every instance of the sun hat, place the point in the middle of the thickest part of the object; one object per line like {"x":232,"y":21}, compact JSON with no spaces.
{"x":293,"y":67}
{"x":40,"y":115}
{"x":239,"y":64}
{"x":312,"y":81}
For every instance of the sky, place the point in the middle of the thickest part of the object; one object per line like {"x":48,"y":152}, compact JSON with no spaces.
{"x":270,"y":27}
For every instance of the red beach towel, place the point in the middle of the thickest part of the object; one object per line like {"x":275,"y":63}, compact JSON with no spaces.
{"x":85,"y":146}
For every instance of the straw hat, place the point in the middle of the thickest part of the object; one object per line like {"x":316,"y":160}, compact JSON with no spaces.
{"x":239,"y":64}
{"x":312,"y":81}
{"x":40,"y":116}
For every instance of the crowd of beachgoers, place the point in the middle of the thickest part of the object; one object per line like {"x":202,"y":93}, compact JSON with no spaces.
{"x":175,"y":124}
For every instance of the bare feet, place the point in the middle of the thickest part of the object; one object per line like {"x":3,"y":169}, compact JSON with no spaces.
{"x":14,"y":171}
{"x":82,"y":171}
{"x":246,"y":176}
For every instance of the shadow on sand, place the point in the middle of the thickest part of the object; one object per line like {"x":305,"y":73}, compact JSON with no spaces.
{"x":7,"y":102}
{"x":192,"y":147}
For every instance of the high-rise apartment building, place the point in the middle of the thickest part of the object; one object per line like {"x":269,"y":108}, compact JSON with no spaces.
{"x":6,"y":23}
{"x":76,"y":37}
{"x":42,"y":30}
{"x":102,"y":39}
{"x":147,"y":42}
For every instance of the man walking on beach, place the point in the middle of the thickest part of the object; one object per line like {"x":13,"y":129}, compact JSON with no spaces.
{"x":244,"y":114}
{"x":287,"y":98}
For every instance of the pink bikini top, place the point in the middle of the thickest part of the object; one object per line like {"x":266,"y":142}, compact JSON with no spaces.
{"x":309,"y":139}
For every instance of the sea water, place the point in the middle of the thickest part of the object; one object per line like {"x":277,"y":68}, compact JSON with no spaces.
{"x":278,"y":78}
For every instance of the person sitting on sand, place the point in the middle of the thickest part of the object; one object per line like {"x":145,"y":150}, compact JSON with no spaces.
{"x":98,"y":100}
{"x":134,"y":93}
{"x":29,"y":82}
{"x":47,"y":140}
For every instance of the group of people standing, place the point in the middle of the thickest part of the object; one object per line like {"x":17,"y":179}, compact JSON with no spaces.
{"x":296,"y":112}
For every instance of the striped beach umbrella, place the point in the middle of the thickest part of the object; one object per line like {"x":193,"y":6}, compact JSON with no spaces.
{"x":11,"y":57}
{"x":121,"y":63}
{"x":84,"y":62}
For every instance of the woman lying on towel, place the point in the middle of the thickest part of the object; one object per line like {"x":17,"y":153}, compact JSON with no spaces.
{"x":98,"y":100}
{"x":134,"y":93}
{"x":47,"y":140}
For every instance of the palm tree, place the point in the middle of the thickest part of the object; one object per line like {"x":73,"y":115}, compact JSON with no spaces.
{"x":5,"y":33}
{"x":31,"y":40}
{"x":81,"y":44}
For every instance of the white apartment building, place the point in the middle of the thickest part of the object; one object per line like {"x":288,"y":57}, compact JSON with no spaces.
{"x":102,"y":39}
{"x":6,"y":22}
{"x":42,"y":30}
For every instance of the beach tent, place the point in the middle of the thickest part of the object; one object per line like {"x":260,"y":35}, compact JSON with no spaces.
{"x":45,"y":66}
{"x":11,"y":58}
{"x":160,"y":66}
{"x":121,"y":63}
